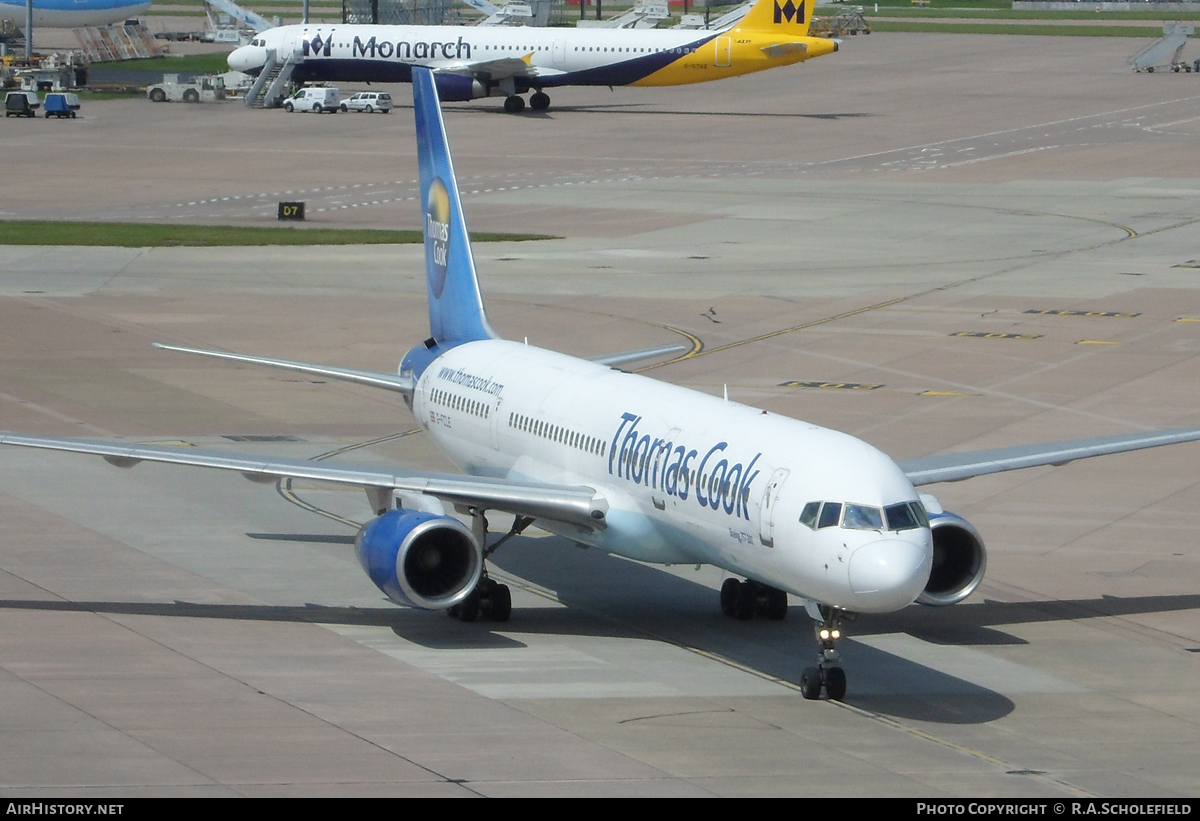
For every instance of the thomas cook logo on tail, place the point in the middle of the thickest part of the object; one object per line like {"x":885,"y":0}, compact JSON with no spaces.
{"x":437,"y":236}
{"x":789,"y":12}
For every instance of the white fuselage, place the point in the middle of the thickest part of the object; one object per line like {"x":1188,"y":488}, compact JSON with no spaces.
{"x":689,"y":478}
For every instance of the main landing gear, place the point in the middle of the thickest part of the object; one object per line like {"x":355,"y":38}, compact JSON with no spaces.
{"x":745,"y":600}
{"x":826,"y":674}
{"x":515,"y":104}
{"x":489,"y":599}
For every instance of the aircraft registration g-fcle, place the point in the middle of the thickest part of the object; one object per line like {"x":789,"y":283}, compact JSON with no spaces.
{"x":481,"y":61}
{"x":71,"y":13}
{"x":626,"y":464}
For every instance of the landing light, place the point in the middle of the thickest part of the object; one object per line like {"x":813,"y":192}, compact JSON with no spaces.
{"x":826,"y":634}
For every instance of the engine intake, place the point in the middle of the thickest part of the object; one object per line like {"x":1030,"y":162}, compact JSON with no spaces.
{"x":420,"y":559}
{"x":959,"y":561}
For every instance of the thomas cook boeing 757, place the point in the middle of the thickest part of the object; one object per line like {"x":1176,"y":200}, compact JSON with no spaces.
{"x":488,"y":61}
{"x":628,"y":465}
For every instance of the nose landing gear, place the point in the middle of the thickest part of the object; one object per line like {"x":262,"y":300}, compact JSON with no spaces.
{"x":826,"y":674}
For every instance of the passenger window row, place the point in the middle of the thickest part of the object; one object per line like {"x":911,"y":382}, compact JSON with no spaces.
{"x":903,"y":516}
{"x":556,"y":433}
{"x":461,"y":403}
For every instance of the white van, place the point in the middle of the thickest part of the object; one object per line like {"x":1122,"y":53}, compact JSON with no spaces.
{"x":315,"y":100}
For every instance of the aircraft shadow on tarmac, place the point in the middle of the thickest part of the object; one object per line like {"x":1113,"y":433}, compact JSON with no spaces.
{"x":646,"y":108}
{"x":611,"y":597}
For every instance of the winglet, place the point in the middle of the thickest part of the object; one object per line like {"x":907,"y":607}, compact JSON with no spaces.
{"x":456,"y":311}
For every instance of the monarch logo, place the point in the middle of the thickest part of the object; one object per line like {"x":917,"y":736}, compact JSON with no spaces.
{"x":317,"y":47}
{"x":789,"y":12}
{"x":437,"y":236}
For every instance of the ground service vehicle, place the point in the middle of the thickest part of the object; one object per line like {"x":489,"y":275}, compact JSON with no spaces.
{"x":61,"y":105}
{"x":207,"y":89}
{"x":21,"y":104}
{"x":316,"y":100}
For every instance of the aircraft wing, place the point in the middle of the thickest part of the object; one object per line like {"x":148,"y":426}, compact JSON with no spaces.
{"x":493,"y":69}
{"x":392,"y":382}
{"x":954,"y":467}
{"x":575,"y":505}
{"x":502,"y":68}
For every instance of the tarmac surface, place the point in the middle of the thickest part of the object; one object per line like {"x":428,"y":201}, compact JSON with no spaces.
{"x":904,"y":218}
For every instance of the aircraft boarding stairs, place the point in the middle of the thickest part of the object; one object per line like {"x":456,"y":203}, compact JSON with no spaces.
{"x":272,"y":83}
{"x":102,"y":44}
{"x":1164,"y":52}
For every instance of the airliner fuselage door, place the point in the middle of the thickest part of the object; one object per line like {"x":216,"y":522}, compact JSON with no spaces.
{"x":766,"y":510}
{"x":724,"y":52}
{"x":495,"y":412}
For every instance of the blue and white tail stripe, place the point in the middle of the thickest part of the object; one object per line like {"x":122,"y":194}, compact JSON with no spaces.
{"x":456,"y":311}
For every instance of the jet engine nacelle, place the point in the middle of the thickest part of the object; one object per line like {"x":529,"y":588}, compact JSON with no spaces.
{"x":456,"y":88}
{"x":959,"y":560}
{"x":420,"y":559}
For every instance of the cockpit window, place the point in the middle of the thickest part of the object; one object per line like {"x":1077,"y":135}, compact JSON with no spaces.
{"x":904,"y":517}
{"x":831,"y":513}
{"x":808,"y":516}
{"x":900,"y":517}
{"x":862,"y":517}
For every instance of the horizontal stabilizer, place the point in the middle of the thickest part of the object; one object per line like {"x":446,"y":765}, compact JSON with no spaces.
{"x":780,"y":49}
{"x":634,"y":356}
{"x":388,"y":381}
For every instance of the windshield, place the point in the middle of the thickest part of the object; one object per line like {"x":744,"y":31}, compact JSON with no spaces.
{"x":862,"y":517}
{"x":898,"y":517}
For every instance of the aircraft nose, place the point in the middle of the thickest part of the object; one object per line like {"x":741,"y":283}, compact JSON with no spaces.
{"x":245,"y":59}
{"x":889,"y":574}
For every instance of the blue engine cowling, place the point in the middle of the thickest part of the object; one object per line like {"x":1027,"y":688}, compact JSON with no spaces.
{"x":959,"y":560}
{"x":456,"y":88}
{"x":420,"y":559}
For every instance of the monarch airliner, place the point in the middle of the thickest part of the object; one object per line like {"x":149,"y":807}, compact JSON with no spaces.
{"x":488,"y":61}
{"x":628,"y":465}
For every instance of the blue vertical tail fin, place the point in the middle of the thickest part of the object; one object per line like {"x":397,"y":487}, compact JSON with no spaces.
{"x":456,"y":311}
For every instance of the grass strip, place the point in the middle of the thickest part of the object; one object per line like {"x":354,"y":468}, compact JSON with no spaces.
{"x":147,"y":235}
{"x":1001,"y":28}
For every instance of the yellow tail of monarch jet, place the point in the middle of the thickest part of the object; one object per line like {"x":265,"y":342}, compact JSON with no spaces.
{"x":773,"y":33}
